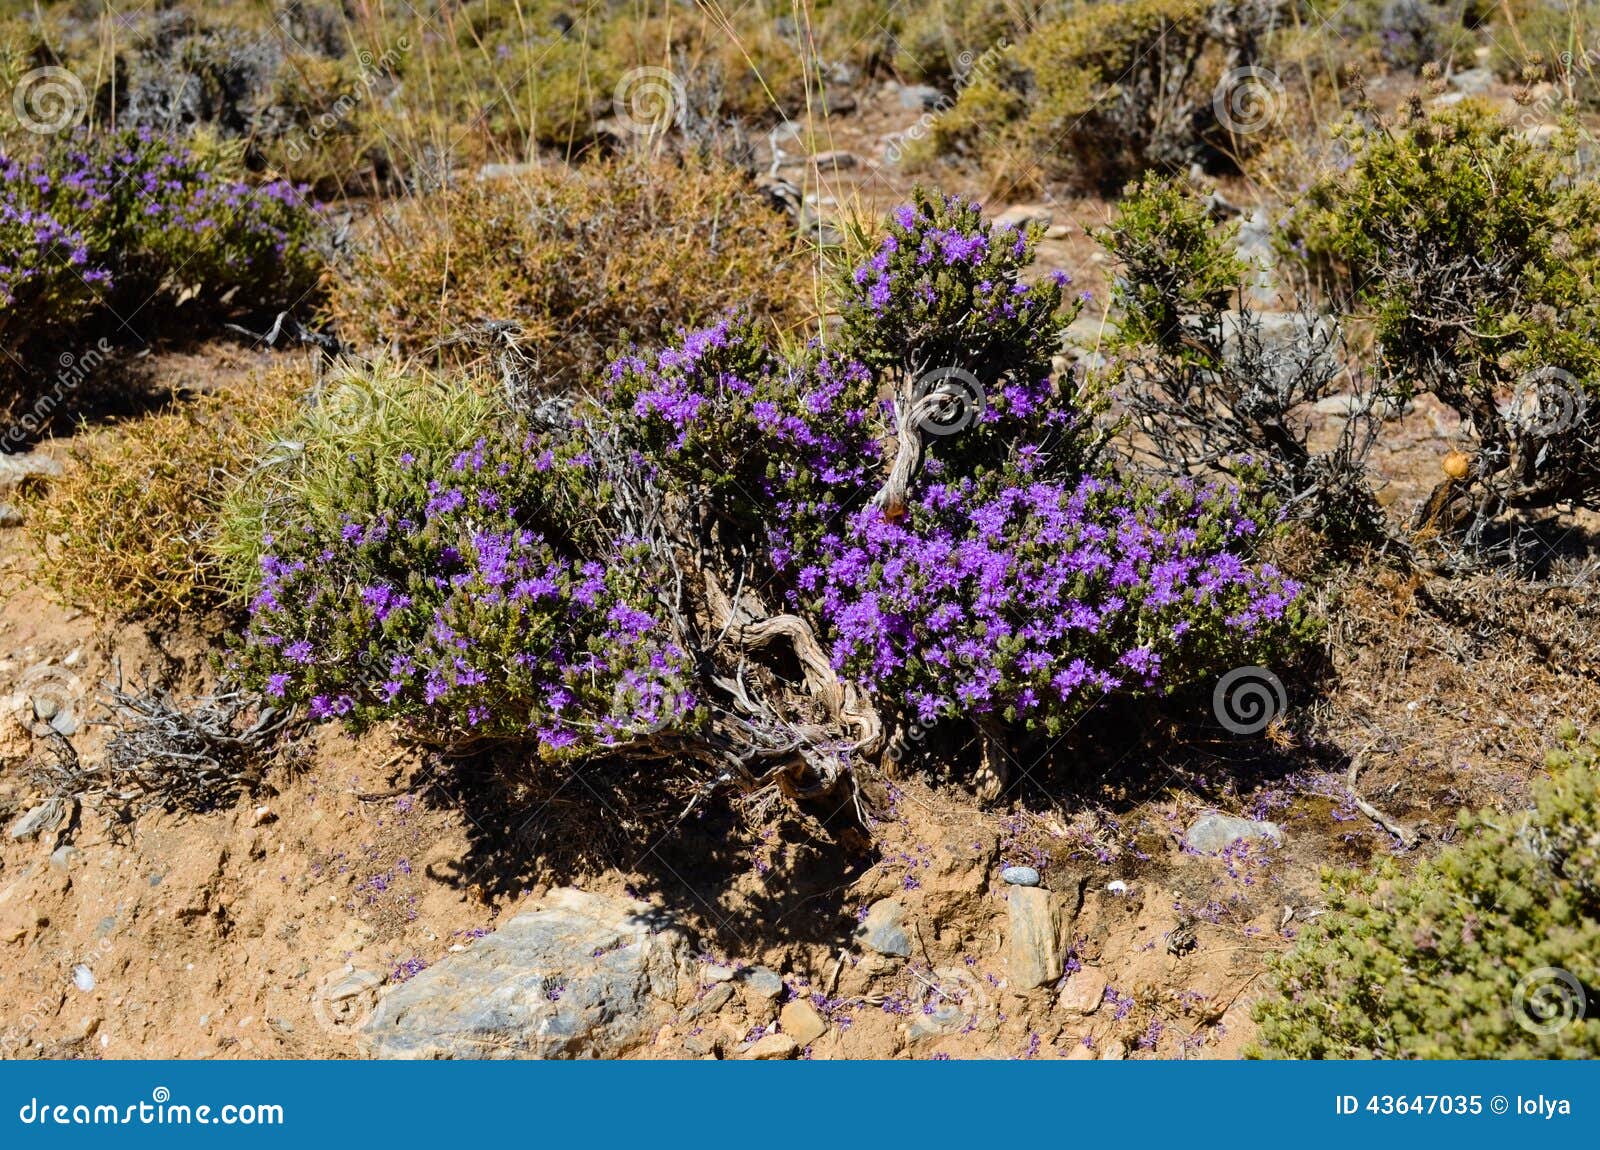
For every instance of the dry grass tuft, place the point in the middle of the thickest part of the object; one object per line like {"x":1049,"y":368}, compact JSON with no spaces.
{"x":127,"y":530}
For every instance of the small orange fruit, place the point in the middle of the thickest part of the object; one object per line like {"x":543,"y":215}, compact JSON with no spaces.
{"x":1457,"y":465}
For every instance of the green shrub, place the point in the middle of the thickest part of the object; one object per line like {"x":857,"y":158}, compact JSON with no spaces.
{"x":582,"y":260}
{"x":1475,"y":252}
{"x":1091,"y":98}
{"x":135,"y":232}
{"x":1210,"y":388}
{"x":1487,"y":951}
{"x":342,"y":452}
{"x":567,"y":576}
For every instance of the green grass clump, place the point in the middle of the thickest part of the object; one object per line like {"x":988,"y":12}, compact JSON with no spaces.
{"x":1486,"y":951}
{"x":342,"y":452}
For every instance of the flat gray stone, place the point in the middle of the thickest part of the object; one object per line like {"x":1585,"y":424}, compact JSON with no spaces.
{"x":946,"y":1018}
{"x":580,"y":976}
{"x":47,"y":816}
{"x":763,"y":982}
{"x":1020,"y":876}
{"x":920,"y":97}
{"x":18,"y":469}
{"x":1034,"y":958}
{"x":1213,"y":833}
{"x":883,"y":930}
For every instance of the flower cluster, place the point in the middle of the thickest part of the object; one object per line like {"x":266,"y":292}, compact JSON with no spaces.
{"x":1032,"y":601}
{"x":121,"y":221}
{"x":498,"y":593}
{"x":452,"y":606}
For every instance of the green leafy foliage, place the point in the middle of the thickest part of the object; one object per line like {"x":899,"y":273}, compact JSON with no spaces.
{"x":1465,"y":957}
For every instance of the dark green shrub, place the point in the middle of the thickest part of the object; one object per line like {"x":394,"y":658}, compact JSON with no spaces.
{"x":1091,"y":98}
{"x":1211,"y":388}
{"x":1490,"y":950}
{"x":1475,"y":253}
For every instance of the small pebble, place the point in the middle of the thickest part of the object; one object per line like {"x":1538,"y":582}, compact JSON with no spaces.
{"x":1020,"y":876}
{"x":1117,"y":886}
{"x":83,"y":978}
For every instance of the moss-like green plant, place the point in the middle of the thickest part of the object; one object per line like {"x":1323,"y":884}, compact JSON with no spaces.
{"x":1490,"y":950}
{"x":342,"y":453}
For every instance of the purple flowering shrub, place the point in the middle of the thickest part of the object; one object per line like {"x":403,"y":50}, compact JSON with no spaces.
{"x":599,"y":581}
{"x":134,"y":225}
{"x":1032,"y":600}
{"x":1020,"y":577}
{"x":447,"y":599}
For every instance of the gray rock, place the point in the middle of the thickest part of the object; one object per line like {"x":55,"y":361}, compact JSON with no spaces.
{"x":1472,"y":81}
{"x":1035,"y":938}
{"x":1213,"y":833}
{"x":717,"y":972}
{"x":45,"y":817}
{"x":15,"y":470}
{"x":10,"y":516}
{"x":883,"y":930}
{"x":920,"y":97}
{"x":61,"y":857}
{"x":946,"y":1018}
{"x":763,"y":982}
{"x":580,"y":976}
{"x":840,"y":160}
{"x":64,"y":723}
{"x":1384,"y":407}
{"x":1253,"y":244}
{"x":1020,"y":876}
{"x":710,"y":1002}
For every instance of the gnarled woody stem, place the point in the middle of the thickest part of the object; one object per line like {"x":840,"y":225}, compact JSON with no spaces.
{"x":911,"y":415}
{"x":843,"y":702}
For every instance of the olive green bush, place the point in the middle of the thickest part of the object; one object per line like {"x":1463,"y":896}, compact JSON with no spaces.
{"x":1474,"y":250}
{"x":1490,"y":950}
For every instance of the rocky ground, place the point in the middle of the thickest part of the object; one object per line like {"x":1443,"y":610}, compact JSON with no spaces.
{"x":366,"y":900}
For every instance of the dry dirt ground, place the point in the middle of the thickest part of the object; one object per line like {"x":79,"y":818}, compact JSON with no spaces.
{"x":219,"y":934}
